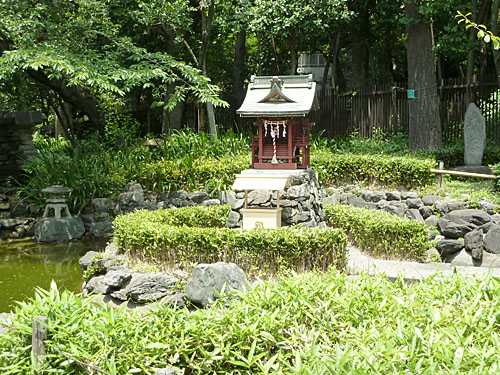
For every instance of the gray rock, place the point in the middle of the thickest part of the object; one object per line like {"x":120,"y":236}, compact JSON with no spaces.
{"x":96,"y":285}
{"x":179,"y":194}
{"x":474,"y":135}
{"x":456,"y":205}
{"x":287,"y":214}
{"x":258,"y":197}
{"x":447,"y":247}
{"x":463,"y":258}
{"x":414,"y":203}
{"x":64,"y":229}
{"x":488,"y":207}
{"x":457,"y":223}
{"x":373,"y":196}
{"x":414,"y":214}
{"x":133,"y":186}
{"x":176,"y":301}
{"x":207,"y":280}
{"x":396,"y":208}
{"x":103,"y":205}
{"x":431,"y":221}
{"x":353,"y":200}
{"x":485,"y":227}
{"x":298,"y":192}
{"x":332,"y":199}
{"x":105,"y":263}
{"x":429,"y":200}
{"x":442,"y":207}
{"x":101,"y":229}
{"x":432,"y":255}
{"x":432,"y":235}
{"x":495,"y":219}
{"x":147,"y":287}
{"x":111,"y":250}
{"x":408,"y":195}
{"x":87,"y":260}
{"x":425,"y":211}
{"x":237,"y":204}
{"x":211,"y":202}
{"x":492,"y":240}
{"x":287,"y":203}
{"x":130,"y":201}
{"x":199,"y":196}
{"x":393,"y":195}
{"x":473,"y":242}
{"x":233,"y":220}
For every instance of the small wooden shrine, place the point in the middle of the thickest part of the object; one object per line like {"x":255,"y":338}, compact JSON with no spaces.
{"x":281,"y":104}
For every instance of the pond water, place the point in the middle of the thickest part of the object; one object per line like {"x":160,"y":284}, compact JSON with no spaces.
{"x":25,"y":265}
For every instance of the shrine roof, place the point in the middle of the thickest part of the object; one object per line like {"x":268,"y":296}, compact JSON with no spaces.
{"x":279,"y":96}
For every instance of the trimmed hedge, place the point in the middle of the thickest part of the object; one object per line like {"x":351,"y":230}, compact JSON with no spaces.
{"x":335,"y":168}
{"x":380,"y":232}
{"x":190,"y":235}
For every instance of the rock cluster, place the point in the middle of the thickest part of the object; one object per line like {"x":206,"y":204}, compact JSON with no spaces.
{"x":120,"y":285}
{"x":468,"y":236}
{"x":301,"y":203}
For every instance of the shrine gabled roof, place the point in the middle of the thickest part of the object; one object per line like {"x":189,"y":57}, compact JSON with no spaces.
{"x":279,"y":96}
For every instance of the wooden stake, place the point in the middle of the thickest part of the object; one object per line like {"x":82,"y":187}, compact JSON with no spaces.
{"x":39,"y":335}
{"x":440,"y":176}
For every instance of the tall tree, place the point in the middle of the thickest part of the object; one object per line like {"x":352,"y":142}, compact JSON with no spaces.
{"x":424,"y":120}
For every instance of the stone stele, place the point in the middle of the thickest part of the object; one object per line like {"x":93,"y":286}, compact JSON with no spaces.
{"x":474,"y":136}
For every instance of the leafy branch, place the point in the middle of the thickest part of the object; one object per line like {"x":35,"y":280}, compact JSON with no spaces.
{"x":482,"y":31}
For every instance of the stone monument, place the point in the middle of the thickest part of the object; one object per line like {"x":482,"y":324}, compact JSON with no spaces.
{"x":474,"y":136}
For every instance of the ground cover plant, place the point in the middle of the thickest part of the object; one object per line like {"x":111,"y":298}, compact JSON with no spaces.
{"x":380,"y":233}
{"x":182,"y":237}
{"x":313,"y":323}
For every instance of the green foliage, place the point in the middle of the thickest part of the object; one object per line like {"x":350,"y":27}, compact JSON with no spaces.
{"x":482,"y":31}
{"x":121,"y":130}
{"x":407,"y":171}
{"x":453,"y":155}
{"x":313,"y":323}
{"x":379,"y":232}
{"x":193,"y":173}
{"x":196,"y":234}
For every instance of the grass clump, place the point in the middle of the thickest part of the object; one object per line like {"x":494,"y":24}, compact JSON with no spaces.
{"x":379,"y":232}
{"x":191,"y":235}
{"x":313,"y":323}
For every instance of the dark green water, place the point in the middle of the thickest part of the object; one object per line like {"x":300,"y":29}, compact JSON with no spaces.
{"x":25,"y":265}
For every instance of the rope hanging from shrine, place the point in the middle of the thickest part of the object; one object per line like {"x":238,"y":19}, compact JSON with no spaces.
{"x":275,"y":133}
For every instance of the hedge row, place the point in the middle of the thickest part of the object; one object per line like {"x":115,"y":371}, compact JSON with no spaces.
{"x":335,"y":168}
{"x":180,"y":238}
{"x":205,"y":173}
{"x":379,"y":232}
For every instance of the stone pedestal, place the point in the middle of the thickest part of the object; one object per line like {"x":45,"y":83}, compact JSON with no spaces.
{"x":300,"y":203}
{"x":59,"y":230}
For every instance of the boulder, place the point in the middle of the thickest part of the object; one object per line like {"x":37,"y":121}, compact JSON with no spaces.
{"x":373,"y":195}
{"x":237,"y":204}
{"x":179,"y":198}
{"x":331,"y":199}
{"x":408,"y":195}
{"x":144,"y":288}
{"x":464,"y":258}
{"x":429,"y":200}
{"x":199,"y":196}
{"x":473,"y":242}
{"x":65,"y":229}
{"x":425,"y":211}
{"x":431,"y":221}
{"x":414,"y":214}
{"x":87,"y":260}
{"x":396,"y":208}
{"x":456,"y":205}
{"x":492,"y":240}
{"x":447,"y":247}
{"x":113,"y":280}
{"x":101,"y":229}
{"x":414,"y":203}
{"x":103,"y":205}
{"x":442,"y":207}
{"x":233,"y":220}
{"x":457,"y":223}
{"x":211,"y":202}
{"x":208,"y":280}
{"x":298,"y":192}
{"x":393,"y":195}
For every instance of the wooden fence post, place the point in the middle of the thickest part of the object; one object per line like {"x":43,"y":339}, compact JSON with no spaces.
{"x":39,"y":335}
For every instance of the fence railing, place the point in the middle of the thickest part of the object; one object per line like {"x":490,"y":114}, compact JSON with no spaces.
{"x":385,"y":108}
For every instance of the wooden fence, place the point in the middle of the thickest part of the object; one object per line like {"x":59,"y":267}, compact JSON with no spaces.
{"x":385,"y":108}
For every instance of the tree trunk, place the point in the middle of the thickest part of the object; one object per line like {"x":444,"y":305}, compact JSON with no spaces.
{"x":206,"y":29}
{"x":239,"y":69}
{"x":424,"y":120}
{"x":361,"y":47}
{"x":494,"y":30}
{"x":292,"y":44}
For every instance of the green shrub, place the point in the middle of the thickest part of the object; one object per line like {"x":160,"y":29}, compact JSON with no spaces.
{"x":179,"y":237}
{"x":380,"y":232}
{"x":335,"y":168}
{"x":204,"y":173}
{"x":313,"y":323}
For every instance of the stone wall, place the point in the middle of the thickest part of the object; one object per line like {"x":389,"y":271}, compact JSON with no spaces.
{"x":16,"y":143}
{"x":301,"y":203}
